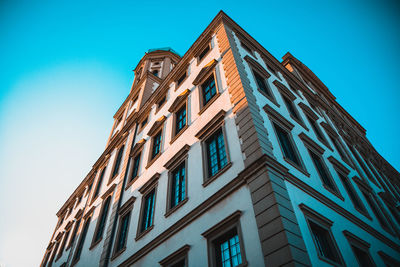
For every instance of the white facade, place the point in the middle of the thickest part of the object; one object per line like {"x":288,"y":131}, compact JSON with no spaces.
{"x":234,"y":198}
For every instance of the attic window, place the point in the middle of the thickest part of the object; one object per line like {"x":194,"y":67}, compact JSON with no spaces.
{"x":181,"y":79}
{"x":204,"y":52}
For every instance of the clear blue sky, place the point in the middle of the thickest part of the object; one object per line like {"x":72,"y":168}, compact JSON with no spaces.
{"x":66,"y":66}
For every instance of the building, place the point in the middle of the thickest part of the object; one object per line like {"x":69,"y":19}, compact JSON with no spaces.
{"x":228,"y":157}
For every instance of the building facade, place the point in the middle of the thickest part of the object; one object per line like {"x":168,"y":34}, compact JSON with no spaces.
{"x":228,"y":157}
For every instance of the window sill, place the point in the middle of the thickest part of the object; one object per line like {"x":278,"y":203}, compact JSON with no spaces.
{"x":116,"y":254}
{"x":172,"y":210}
{"x":140,"y":235}
{"x":218,"y":174}
{"x":209,"y":103}
{"x":178,"y":134}
{"x":300,"y":169}
{"x":152,"y":161}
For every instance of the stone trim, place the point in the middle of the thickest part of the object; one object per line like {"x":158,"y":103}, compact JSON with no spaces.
{"x":176,"y":256}
{"x":150,"y":184}
{"x":205,"y":72}
{"x":178,"y":157}
{"x":309,"y":143}
{"x":179,"y":100}
{"x":338,"y":166}
{"x":216,"y":122}
{"x":137,"y":147}
{"x":157,"y":124}
{"x":278,"y":118}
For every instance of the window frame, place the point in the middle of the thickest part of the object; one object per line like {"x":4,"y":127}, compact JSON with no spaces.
{"x":204,"y":106}
{"x":101,"y":214}
{"x":318,"y":151}
{"x":278,"y":120}
{"x":99,"y":182}
{"x":145,"y":190}
{"x":155,"y":130}
{"x":136,"y":151}
{"x":118,"y":163}
{"x":215,"y":124}
{"x":326,"y":224}
{"x":356,"y":242}
{"x":226,"y":225}
{"x":125,"y":210}
{"x":181,"y":157}
{"x":200,"y":56}
{"x":177,"y":105}
{"x":82,"y":237}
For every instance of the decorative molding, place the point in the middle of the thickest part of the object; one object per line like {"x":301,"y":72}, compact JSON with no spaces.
{"x":157,"y":124}
{"x":137,"y":147}
{"x":150,"y":183}
{"x":180,"y":99}
{"x":204,"y":72}
{"x":338,"y":166}
{"x":178,"y":157}
{"x":275,"y":116}
{"x":211,"y":126}
{"x":309,"y":143}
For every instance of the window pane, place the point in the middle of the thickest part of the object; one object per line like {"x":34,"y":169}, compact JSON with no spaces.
{"x":322,"y":171}
{"x":261,"y":83}
{"x":228,"y":249}
{"x":180,"y":119}
{"x":135,"y":167}
{"x":290,"y":106}
{"x":178,"y":185}
{"x":156,"y":145}
{"x":148,"y":211}
{"x":351,"y":192}
{"x":324,"y":242}
{"x":209,"y":89}
{"x":363,"y":257}
{"x":102,"y":221}
{"x":288,"y":149}
{"x":216,"y":153}
{"x":123,"y":232}
{"x":118,"y":161}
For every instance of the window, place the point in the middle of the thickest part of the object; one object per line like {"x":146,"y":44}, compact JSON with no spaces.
{"x":66,"y":235}
{"x":227,"y":249}
{"x":320,"y":229}
{"x":388,"y":260}
{"x":324,"y":243}
{"x":156,"y":148}
{"x":209,"y":89}
{"x":73,"y":236}
{"x":371,"y":202}
{"x":316,"y":129}
{"x":98,"y":234}
{"x":291,"y":108}
{"x":322,"y":171}
{"x":161,"y":102}
{"x":155,"y":72}
{"x":225,"y":243}
{"x":247,"y":48}
{"x":135,"y":170}
{"x":99,"y":182}
{"x":180,"y":119}
{"x":262,"y":83}
{"x":181,"y":79}
{"x":118,"y":160}
{"x":286,"y":144}
{"x":360,"y":249}
{"x":122,"y":232}
{"x":204,"y":53}
{"x":216,"y":153}
{"x":148,"y":211}
{"x":54,"y":252}
{"x":178,"y":189}
{"x":81,"y":241}
{"x":351,"y":192}
{"x":144,"y":122}
{"x":339,"y":148}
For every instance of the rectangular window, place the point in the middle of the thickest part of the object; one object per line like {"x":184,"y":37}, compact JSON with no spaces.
{"x":98,"y":235}
{"x":180,"y":119}
{"x":363,"y":257}
{"x":216,"y":153}
{"x":323,"y":173}
{"x":209,"y":89}
{"x":99,"y":182}
{"x":351,"y":192}
{"x":148,"y":211}
{"x":227,"y":249}
{"x":81,"y":242}
{"x":63,"y":243}
{"x":204,"y":53}
{"x":288,"y":149}
{"x":73,"y":236}
{"x":339,"y":148}
{"x":261,"y":83}
{"x":291,"y":108}
{"x":371,"y":202}
{"x":120,"y":242}
{"x":143,"y":123}
{"x":118,"y":161}
{"x":161,"y":102}
{"x":324,"y":242}
{"x":135,"y":170}
{"x":316,"y":128}
{"x":178,"y":189}
{"x":54,"y":253}
{"x":225,"y":243}
{"x":156,"y":145}
{"x":181,"y":79}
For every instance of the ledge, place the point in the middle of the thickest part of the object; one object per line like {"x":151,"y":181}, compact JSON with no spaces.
{"x":218,"y":174}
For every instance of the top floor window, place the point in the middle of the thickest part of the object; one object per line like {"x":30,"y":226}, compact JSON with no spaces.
{"x":208,"y":89}
{"x":204,"y":53}
{"x":156,"y":148}
{"x":180,"y":119}
{"x":286,"y":143}
{"x":118,"y":161}
{"x":261,"y":83}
